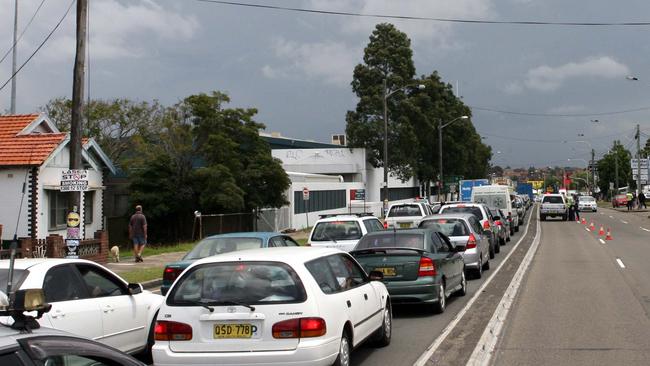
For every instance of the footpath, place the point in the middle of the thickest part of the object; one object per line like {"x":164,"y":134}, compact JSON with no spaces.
{"x":159,"y":260}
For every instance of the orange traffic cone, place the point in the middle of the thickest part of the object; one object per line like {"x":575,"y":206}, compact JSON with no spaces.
{"x":584,"y":222}
{"x":592,"y":227}
{"x":609,"y":235}
{"x":601,"y":232}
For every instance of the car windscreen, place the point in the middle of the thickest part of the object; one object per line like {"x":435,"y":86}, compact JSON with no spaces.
{"x":214,"y":246}
{"x":492,"y":200}
{"x":463,"y":209}
{"x":336,"y":230}
{"x":243,"y":282}
{"x":391,"y":240}
{"x":449,"y":227}
{"x":404,"y":210}
{"x":19,"y":276}
{"x":587,"y":199}
{"x":552,"y":199}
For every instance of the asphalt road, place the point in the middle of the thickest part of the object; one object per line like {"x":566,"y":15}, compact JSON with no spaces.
{"x":584,"y":301}
{"x":415,"y":328}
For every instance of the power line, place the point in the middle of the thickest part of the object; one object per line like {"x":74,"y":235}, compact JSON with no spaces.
{"x":559,"y":114}
{"x":552,"y":141}
{"x":432,"y":19}
{"x":39,"y":46}
{"x":23,"y":32}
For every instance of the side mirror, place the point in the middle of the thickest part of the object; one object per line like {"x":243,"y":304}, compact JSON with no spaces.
{"x":376,"y":276}
{"x":135,"y":288}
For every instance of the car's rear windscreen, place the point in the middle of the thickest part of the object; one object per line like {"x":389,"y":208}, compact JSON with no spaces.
{"x":391,"y":239}
{"x":336,"y":230}
{"x":213,"y":246}
{"x":552,"y":199}
{"x":404,"y":210}
{"x":492,"y":200}
{"x":463,"y":209}
{"x":238,"y":282}
{"x":449,"y":227}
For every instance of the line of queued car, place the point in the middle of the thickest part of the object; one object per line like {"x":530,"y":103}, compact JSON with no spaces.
{"x":260,"y":298}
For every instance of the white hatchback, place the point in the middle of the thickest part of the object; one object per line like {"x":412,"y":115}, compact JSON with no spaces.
{"x":89,"y":300}
{"x":276,"y":306}
{"x":342,"y":231}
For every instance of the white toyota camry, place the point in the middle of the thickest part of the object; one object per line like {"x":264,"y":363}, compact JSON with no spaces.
{"x":276,"y":306}
{"x":89,"y":300}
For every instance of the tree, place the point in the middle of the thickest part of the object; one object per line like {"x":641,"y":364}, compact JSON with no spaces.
{"x":112,"y":123}
{"x":607,"y":168}
{"x":387,"y":58}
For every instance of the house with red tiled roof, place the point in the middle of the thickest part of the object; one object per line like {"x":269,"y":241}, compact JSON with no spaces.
{"x":33,"y":155}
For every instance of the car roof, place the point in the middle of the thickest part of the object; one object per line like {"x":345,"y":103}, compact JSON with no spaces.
{"x":289,"y":255}
{"x":464,"y":216}
{"x":9,"y":336}
{"x":26,"y":263}
{"x":345,"y":217}
{"x":400,"y":232}
{"x":247,"y":234}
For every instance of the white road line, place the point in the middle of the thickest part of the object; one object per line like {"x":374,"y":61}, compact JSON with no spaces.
{"x":486,"y":345}
{"x":602,"y":213}
{"x":623,"y":221}
{"x":620,"y":263}
{"x":644,"y":229}
{"x":611,"y":217}
{"x":587,"y":229}
{"x":424,"y":357}
{"x":601,"y":241}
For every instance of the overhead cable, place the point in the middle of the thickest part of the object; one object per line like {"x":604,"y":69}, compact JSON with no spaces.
{"x":431,"y":19}
{"x":23,"y":32}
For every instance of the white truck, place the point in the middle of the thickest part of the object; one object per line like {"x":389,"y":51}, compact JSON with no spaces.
{"x":498,"y":197}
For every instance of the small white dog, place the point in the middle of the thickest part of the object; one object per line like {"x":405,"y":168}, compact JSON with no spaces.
{"x":115,"y":253}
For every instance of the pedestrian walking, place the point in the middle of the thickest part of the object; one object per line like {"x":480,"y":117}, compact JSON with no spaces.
{"x":576,"y":207}
{"x":138,"y":232}
{"x":642,"y":200}
{"x":630,"y":201}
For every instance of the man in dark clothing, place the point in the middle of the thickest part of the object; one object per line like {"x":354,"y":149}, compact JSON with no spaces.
{"x":642,"y":200}
{"x":576,"y":207}
{"x":138,"y":232}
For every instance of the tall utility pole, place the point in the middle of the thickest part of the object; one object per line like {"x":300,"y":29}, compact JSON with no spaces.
{"x":384,"y":97}
{"x":638,"y":159}
{"x":592,"y":165}
{"x":14,"y":55}
{"x":77,"y":98}
{"x":616,"y":167}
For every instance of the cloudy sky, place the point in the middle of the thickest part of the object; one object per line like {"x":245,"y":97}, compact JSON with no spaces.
{"x":296,"y":68}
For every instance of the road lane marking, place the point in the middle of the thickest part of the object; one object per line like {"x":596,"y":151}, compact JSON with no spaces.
{"x":644,"y":229}
{"x":611,"y":217}
{"x":587,"y":229}
{"x":484,"y":350}
{"x":602,"y":213}
{"x":601,"y":241}
{"x":623,"y":221}
{"x":426,"y":355}
{"x":620,"y":263}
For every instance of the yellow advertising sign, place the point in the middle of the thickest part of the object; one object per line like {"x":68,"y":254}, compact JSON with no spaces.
{"x":537,"y":184}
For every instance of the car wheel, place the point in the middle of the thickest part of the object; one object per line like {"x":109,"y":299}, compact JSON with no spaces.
{"x":517,"y":228}
{"x":502,"y":241}
{"x":486,"y":266}
{"x":542,"y":217}
{"x":385,"y":331}
{"x":497,"y":247}
{"x":508,"y":237}
{"x":491,"y":251}
{"x":462,"y":291}
{"x":478,"y":272}
{"x":439,"y":307}
{"x":343,"y":359}
{"x":512,"y":231}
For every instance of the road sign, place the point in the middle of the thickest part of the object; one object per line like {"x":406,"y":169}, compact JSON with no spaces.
{"x":305,"y":194}
{"x":74,"y":180}
{"x":358,"y":194}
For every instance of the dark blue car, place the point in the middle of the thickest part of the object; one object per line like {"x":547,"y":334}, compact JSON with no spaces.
{"x":223,"y":243}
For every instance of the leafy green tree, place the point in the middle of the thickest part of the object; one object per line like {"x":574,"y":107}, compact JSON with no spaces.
{"x":112,"y":123}
{"x":387,"y":59}
{"x":607,"y":168}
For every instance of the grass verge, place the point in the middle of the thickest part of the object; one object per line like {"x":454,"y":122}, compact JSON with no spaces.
{"x":153,"y":250}
{"x":142,"y":274}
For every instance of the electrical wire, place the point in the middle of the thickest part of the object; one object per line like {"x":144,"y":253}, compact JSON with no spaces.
{"x":523,"y":139}
{"x":640,"y":109}
{"x":39,"y":46}
{"x":432,"y":19}
{"x":23,"y":32}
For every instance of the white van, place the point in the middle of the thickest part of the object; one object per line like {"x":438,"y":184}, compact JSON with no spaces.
{"x":498,"y":197}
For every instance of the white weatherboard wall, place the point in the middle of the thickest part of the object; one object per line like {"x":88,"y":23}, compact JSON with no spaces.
{"x":11,"y":185}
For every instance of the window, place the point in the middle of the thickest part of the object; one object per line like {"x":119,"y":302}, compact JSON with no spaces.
{"x":391,"y":239}
{"x":213,"y":246}
{"x":476,"y":225}
{"x":243,"y":282}
{"x":98,"y":283}
{"x":347,"y":274}
{"x":553,"y":199}
{"x":373,"y":225}
{"x":89,"y":206}
{"x":58,"y":209}
{"x":62,"y":283}
{"x":449,"y":227}
{"x":476,"y":211}
{"x":10,"y":358}
{"x":405,"y":210}
{"x":322,"y":273}
{"x":319,"y":201}
{"x":439,"y":244}
{"x":276,"y":241}
{"x":336,"y":230}
{"x":290,"y":242}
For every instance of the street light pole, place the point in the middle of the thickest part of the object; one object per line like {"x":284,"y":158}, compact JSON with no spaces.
{"x":440,"y":127}
{"x":385,"y":97}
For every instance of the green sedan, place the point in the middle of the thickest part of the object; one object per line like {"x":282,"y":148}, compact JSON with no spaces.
{"x":420,"y":266}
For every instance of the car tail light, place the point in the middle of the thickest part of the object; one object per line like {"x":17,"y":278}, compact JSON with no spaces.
{"x":171,"y":273}
{"x":172,"y":331}
{"x":427,"y":267}
{"x":498,"y":223}
{"x":471,"y":242}
{"x":385,"y":224}
{"x":299,"y":328}
{"x":486,"y":225}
